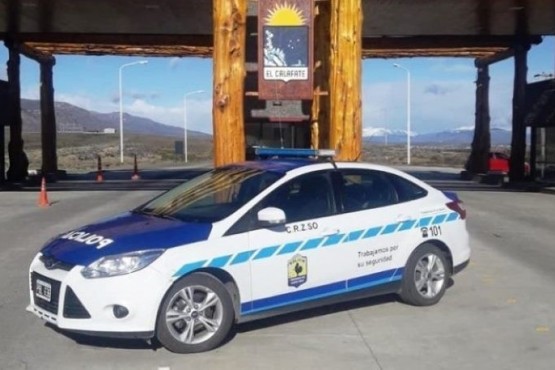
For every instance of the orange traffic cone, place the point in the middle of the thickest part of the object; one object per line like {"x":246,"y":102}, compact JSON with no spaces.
{"x":135,"y":175}
{"x":99,"y":173}
{"x":43,"y":197}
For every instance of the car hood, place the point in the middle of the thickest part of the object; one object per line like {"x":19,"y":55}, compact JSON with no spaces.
{"x":128,"y":232}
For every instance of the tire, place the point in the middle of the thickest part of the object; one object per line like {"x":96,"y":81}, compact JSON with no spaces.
{"x":184,"y":325}
{"x":425,"y":278}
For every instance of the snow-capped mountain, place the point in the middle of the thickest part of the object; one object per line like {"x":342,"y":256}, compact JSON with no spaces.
{"x":458,"y":136}
{"x":368,"y":132}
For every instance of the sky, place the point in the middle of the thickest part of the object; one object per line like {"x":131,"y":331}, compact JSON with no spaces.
{"x":442,"y":89}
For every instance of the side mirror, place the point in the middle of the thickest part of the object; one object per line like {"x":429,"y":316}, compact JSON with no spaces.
{"x":271,"y":216}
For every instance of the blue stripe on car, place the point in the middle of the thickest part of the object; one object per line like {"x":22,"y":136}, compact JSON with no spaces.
{"x":333,"y":240}
{"x":452,"y":217}
{"x":407,"y":225}
{"x":319,"y":242}
{"x":322,"y":291}
{"x":439,"y":219}
{"x":353,"y":236}
{"x":290,"y":247}
{"x":266,"y":252}
{"x":243,"y":257}
{"x":424,"y":221}
{"x":185,"y":269}
{"x":220,"y":261}
{"x":389,"y":229}
{"x":312,"y":243}
{"x":372,"y":232}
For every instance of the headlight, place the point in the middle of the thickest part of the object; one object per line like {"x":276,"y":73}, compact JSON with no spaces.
{"x":120,"y":264}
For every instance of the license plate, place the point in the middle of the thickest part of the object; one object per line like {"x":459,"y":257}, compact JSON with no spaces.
{"x":43,"y":290}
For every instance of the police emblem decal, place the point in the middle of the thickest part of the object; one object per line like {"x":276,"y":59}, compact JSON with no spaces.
{"x":297,"y":270}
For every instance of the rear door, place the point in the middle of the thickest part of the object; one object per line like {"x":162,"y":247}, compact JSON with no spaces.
{"x":382,"y":225}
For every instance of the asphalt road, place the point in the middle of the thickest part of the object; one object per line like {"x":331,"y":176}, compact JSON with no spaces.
{"x":500,"y":312}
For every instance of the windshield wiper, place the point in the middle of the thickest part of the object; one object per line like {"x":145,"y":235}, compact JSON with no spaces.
{"x":150,"y":212}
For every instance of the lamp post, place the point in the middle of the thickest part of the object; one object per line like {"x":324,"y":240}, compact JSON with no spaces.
{"x":121,"y":104}
{"x":408,"y":109}
{"x":185,"y":121}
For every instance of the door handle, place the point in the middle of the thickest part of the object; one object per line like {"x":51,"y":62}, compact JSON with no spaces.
{"x":404,"y":218}
{"x":330,"y":232}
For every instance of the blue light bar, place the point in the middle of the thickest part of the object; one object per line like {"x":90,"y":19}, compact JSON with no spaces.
{"x":293,"y":152}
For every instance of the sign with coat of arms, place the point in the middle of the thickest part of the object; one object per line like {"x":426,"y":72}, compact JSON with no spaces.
{"x":285,"y":49}
{"x":297,"y":270}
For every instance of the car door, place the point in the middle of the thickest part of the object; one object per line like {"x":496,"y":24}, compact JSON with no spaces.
{"x":293,"y":262}
{"x":381,"y":226}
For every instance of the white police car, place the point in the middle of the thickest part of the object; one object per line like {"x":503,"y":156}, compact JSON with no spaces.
{"x":247,"y":241}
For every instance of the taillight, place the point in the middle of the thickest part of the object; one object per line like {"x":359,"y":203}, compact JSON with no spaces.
{"x":457,"y":207}
{"x":455,"y":204}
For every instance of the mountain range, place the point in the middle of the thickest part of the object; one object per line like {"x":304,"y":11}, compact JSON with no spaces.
{"x":460,"y":136}
{"x":70,"y":118}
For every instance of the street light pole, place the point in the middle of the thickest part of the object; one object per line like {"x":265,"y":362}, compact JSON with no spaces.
{"x":185,"y":121}
{"x":121,"y":105}
{"x":408,"y":109}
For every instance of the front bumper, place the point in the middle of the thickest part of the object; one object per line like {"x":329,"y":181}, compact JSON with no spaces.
{"x":67,"y":300}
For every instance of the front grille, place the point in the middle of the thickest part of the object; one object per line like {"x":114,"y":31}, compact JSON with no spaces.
{"x":73,"y":308}
{"x":51,"y":306}
{"x":52,"y":263}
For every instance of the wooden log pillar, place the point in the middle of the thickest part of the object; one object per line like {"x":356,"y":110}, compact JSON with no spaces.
{"x":345,"y":78}
{"x":229,"y":74}
{"x":518,"y":141}
{"x":48,"y":118}
{"x":478,"y":161}
{"x":19,"y":163}
{"x":320,"y":105}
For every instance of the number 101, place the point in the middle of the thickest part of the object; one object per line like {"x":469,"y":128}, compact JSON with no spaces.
{"x":435,"y":230}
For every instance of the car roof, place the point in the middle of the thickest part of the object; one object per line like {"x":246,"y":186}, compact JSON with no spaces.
{"x":284,"y":165}
{"x":280,"y":166}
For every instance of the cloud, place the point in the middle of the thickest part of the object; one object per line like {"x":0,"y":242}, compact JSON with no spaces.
{"x":137,"y":95}
{"x":31,"y":91}
{"x":441,"y":88}
{"x":199,"y":113}
{"x":115,"y":98}
{"x":86,"y":102}
{"x":199,"y":110}
{"x":435,"y":106}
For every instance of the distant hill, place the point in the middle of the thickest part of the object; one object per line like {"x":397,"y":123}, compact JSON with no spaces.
{"x":461,"y":136}
{"x":70,"y":118}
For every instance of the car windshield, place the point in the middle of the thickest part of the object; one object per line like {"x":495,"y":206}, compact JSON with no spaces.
{"x":211,"y":196}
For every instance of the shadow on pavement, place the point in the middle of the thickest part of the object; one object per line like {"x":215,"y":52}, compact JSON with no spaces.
{"x":315,"y":312}
{"x":117,"y":343}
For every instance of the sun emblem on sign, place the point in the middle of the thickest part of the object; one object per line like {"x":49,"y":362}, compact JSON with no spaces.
{"x":285,"y":15}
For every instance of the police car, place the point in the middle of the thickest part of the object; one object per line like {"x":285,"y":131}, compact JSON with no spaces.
{"x":247,"y":241}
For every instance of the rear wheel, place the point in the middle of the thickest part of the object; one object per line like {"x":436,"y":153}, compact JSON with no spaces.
{"x":196,"y":315}
{"x":426,"y":275}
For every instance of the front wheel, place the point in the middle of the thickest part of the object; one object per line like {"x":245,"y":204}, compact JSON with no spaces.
{"x":425,"y":278}
{"x":196,"y":315}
